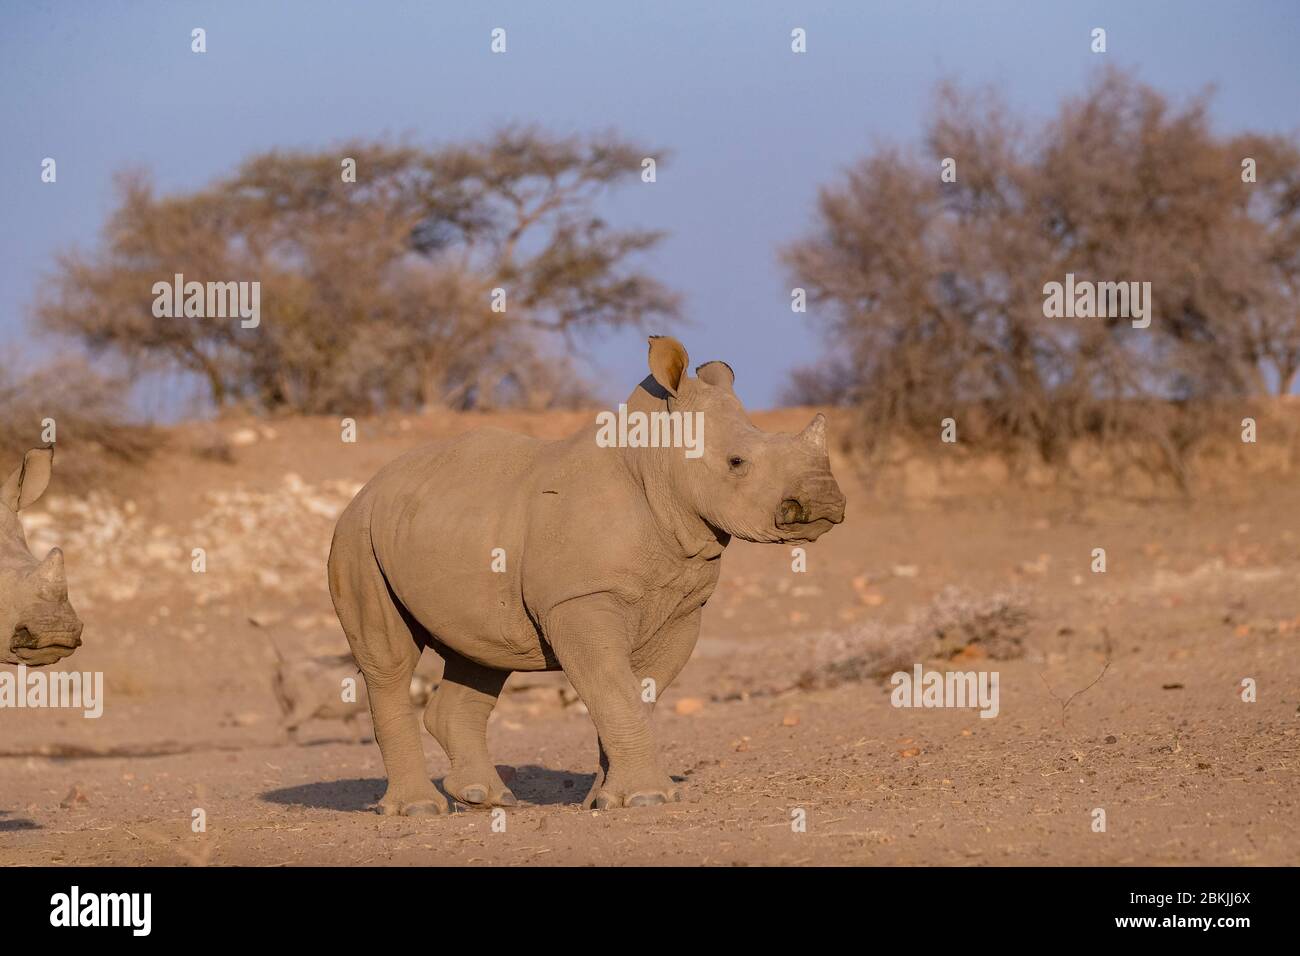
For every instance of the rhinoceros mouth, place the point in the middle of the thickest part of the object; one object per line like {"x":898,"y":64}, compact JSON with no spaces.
{"x":800,"y":521}
{"x":24,"y":639}
{"x":806,"y":530}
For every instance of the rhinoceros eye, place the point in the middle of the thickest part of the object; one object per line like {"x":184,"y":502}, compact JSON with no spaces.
{"x":736,"y":462}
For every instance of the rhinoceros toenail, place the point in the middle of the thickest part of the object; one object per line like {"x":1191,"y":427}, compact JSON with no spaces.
{"x":646,"y":799}
{"x":475,"y":794}
{"x":507,"y":799}
{"x":425,"y":808}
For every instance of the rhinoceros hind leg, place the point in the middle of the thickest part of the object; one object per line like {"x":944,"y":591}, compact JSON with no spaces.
{"x":457,"y":716}
{"x":386,"y":643}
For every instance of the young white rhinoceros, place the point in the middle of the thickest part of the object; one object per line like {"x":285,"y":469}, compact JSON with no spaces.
{"x":508,"y":553}
{"x":37,"y":624}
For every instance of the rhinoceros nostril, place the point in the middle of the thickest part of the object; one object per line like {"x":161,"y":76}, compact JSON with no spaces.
{"x":791,"y":511}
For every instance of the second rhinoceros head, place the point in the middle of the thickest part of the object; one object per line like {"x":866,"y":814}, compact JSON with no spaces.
{"x":37,"y":623}
{"x":744,"y":482}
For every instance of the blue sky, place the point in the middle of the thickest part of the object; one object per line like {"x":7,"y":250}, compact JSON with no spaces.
{"x":753,"y":128}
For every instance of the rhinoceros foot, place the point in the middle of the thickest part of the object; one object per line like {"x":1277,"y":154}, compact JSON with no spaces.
{"x":424,"y":804}
{"x":479,"y":787}
{"x":610,"y":795}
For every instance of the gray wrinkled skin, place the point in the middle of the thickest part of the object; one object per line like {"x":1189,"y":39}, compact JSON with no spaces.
{"x":37,"y":623}
{"x":611,"y":554}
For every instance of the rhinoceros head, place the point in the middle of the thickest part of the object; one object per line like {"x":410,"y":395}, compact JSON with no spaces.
{"x":37,"y":624}
{"x":745,"y":482}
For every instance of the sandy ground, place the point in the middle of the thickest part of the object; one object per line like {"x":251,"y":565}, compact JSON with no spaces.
{"x":1196,"y":597}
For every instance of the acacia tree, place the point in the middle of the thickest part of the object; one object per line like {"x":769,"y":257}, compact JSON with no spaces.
{"x":933,"y":290}
{"x":377,"y":292}
{"x":1269,"y":245}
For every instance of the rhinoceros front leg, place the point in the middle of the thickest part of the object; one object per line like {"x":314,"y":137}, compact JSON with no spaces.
{"x":457,"y":716}
{"x":662,"y":660}
{"x":589,"y":637}
{"x":598,"y":784}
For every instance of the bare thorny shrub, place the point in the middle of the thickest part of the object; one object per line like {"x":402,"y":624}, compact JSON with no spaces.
{"x":933,"y":292}
{"x":376,"y":294}
{"x":955,"y":622}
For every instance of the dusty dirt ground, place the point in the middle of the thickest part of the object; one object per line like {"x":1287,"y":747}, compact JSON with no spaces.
{"x":1196,"y":596}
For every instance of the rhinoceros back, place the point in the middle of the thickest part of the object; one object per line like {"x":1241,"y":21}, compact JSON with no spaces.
{"x":447,"y":524}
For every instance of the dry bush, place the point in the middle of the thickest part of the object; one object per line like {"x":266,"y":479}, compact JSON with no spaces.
{"x":958,"y":620}
{"x":92,"y":428}
{"x":211,"y":443}
{"x":955,"y":621}
{"x":375,"y":294}
{"x":932,"y":297}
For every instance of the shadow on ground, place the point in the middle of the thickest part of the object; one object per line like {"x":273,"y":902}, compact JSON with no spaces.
{"x":531,"y":784}
{"x":17,"y":823}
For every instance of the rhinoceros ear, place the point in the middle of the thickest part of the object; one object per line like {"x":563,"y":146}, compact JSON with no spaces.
{"x":718,"y":374}
{"x":29,"y":480}
{"x":668,"y":362}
